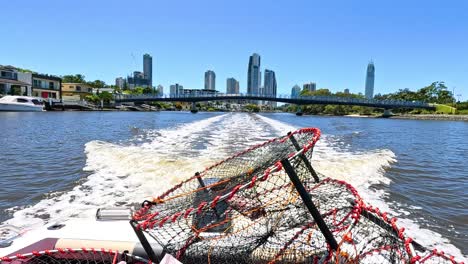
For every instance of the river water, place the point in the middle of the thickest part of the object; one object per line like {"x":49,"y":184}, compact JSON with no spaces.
{"x":57,"y":165}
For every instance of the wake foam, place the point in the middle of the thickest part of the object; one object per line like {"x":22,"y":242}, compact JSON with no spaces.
{"x":126,"y":173}
{"x":364,"y":170}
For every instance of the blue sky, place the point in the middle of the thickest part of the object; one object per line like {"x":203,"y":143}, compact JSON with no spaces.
{"x":412,"y":43}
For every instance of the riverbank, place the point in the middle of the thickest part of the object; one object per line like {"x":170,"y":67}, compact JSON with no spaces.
{"x":432,"y":117}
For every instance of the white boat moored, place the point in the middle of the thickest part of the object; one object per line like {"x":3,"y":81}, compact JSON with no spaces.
{"x":15,"y":103}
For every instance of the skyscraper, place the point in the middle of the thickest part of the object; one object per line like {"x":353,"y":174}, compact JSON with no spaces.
{"x":232,"y":86}
{"x":148,"y":69}
{"x":210,"y":80}
{"x":270,"y":86}
{"x":370,"y":76}
{"x":311,"y":87}
{"x":295,"y":91}
{"x":138,"y":80}
{"x":160,"y":90}
{"x":176,"y":90}
{"x":254,"y":78}
{"x":120,"y":82}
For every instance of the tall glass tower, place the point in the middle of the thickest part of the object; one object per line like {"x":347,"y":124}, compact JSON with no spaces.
{"x":370,"y":76}
{"x":254,"y":78}
{"x":210,"y":80}
{"x":148,"y":69}
{"x":270,"y":86}
{"x":232,"y":86}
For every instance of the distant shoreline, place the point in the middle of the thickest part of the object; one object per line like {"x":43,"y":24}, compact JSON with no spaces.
{"x":440,"y":117}
{"x":432,"y":117}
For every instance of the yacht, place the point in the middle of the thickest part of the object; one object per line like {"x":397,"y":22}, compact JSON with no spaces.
{"x":15,"y":103}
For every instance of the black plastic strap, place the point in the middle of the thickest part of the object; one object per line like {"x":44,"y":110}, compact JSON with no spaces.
{"x":304,"y":158}
{"x":309,"y":204}
{"x":144,"y":242}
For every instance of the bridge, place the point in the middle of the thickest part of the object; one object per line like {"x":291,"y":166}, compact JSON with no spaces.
{"x":299,"y":100}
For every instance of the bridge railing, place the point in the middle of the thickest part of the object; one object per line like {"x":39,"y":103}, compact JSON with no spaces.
{"x":246,"y":96}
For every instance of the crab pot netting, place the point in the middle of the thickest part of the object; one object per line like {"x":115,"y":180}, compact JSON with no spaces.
{"x":245,"y":209}
{"x":74,"y":256}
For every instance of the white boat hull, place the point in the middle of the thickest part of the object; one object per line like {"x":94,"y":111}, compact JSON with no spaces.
{"x":20,"y":108}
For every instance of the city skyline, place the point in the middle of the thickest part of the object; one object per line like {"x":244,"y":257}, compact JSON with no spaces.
{"x":393,"y":34}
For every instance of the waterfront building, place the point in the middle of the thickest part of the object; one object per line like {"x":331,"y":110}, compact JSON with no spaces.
{"x":176,"y":90}
{"x":103,"y":89}
{"x":296,"y":91}
{"x":210,"y":80}
{"x":232,"y":86}
{"x":46,"y":86}
{"x":254,"y":78}
{"x":120,"y":82}
{"x":270,"y":86}
{"x":160,"y":90}
{"x":14,"y":82}
{"x":311,"y":87}
{"x":76,"y":91}
{"x":346,"y":91}
{"x":370,"y":76}
{"x":148,"y":69}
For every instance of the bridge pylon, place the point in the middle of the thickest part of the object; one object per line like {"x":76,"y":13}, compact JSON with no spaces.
{"x":387,"y":112}
{"x":299,"y":111}
{"x":193,"y":108}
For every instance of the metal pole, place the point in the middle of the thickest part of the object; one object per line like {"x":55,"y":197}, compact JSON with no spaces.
{"x":207,"y":190}
{"x":144,"y":242}
{"x":304,"y":158}
{"x":309,"y":204}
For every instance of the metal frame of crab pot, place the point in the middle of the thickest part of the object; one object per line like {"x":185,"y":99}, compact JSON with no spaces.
{"x":156,"y":254}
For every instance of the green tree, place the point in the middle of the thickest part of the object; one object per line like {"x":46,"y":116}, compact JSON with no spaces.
{"x":252,"y":108}
{"x":97,"y":84}
{"x":148,"y":90}
{"x":436,"y":92}
{"x":137,"y":90}
{"x":319,"y":92}
{"x":77,"y":78}
{"x":93,"y":98}
{"x":105,"y":96}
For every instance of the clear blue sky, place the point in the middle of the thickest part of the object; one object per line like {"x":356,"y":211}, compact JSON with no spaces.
{"x":412,"y":43}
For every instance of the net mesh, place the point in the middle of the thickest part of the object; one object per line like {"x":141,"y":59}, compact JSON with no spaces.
{"x":74,"y":256}
{"x":245,"y":209}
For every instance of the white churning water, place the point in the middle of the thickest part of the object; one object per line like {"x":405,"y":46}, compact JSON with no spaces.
{"x":155,"y":160}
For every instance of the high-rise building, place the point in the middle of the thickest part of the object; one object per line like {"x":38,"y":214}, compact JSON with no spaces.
{"x":295,"y":91}
{"x":160,"y":89}
{"x":176,"y":90}
{"x":270,"y":86}
{"x":311,"y":87}
{"x":138,"y":80}
{"x":254,"y":78}
{"x":370,"y":76}
{"x":148,"y":69}
{"x":210,"y":80}
{"x":232,"y":86}
{"x":120,"y":82}
{"x":346,"y":91}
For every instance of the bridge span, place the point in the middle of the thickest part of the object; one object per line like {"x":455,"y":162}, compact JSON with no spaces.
{"x":300,"y":100}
